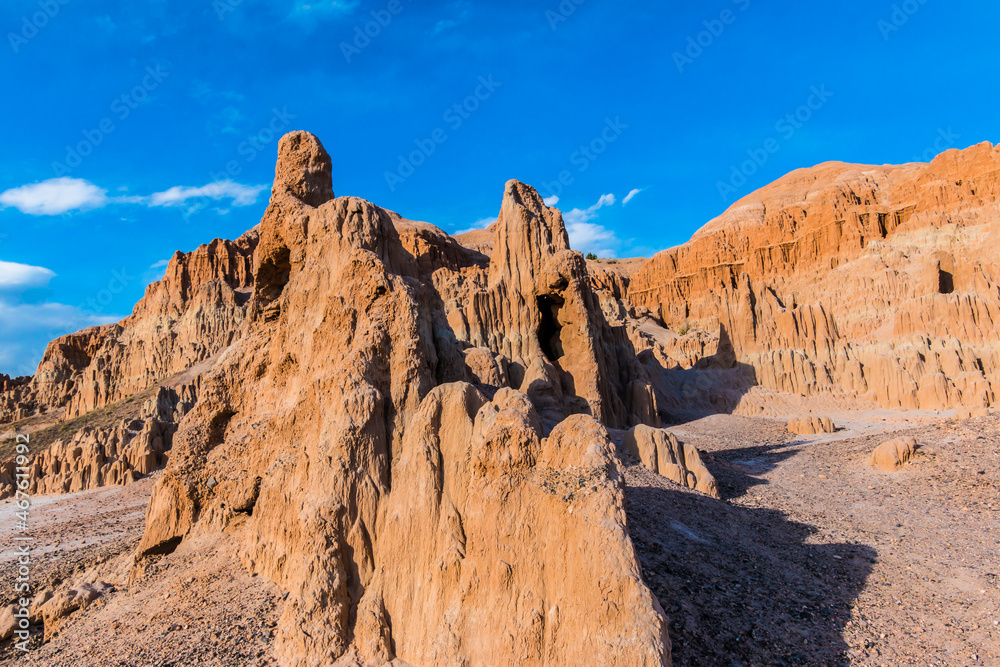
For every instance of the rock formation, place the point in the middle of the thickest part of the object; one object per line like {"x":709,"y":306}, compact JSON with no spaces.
{"x":193,"y":313}
{"x":93,"y":458}
{"x":878,"y":283}
{"x":341,"y":385}
{"x":661,"y":451}
{"x":368,"y":406}
{"x":811,"y":425}
{"x":892,"y":455}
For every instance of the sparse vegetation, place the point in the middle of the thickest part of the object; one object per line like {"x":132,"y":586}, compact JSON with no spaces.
{"x":105,"y":417}
{"x":591,"y":256}
{"x":685,"y":328}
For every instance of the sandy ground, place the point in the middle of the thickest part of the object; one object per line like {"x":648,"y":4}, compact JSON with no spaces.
{"x":813,"y":558}
{"x":197,"y":606}
{"x":810,"y":558}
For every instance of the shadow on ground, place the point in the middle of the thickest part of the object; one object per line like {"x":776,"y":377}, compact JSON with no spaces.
{"x":742,"y":586}
{"x":737,"y":470}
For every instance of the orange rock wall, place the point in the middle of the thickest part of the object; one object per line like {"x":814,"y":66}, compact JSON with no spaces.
{"x":879,"y":283}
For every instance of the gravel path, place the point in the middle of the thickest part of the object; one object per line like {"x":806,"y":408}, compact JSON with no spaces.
{"x":813,"y":558}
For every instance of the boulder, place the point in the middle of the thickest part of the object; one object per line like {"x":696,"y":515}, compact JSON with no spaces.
{"x":892,"y":455}
{"x":661,"y":451}
{"x":811,"y":425}
{"x":65,"y":602}
{"x":965,"y":412}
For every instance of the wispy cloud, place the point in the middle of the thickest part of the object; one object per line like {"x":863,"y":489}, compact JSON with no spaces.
{"x":241,"y":195}
{"x":631,"y":195}
{"x":583,"y":215}
{"x":55,"y":196}
{"x":67,"y":195}
{"x":551,"y":201}
{"x":23,"y":276}
{"x":320,"y":9}
{"x":155,"y":272}
{"x":478,"y":224}
{"x":459,"y":11}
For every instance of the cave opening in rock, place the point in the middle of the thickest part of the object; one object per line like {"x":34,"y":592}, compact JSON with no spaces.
{"x":549,"y":329}
{"x":273,"y":274}
{"x":946,"y":282}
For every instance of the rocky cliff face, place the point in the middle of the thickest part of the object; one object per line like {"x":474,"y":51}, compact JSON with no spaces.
{"x":363,"y":438}
{"x":193,"y":313}
{"x":879,"y":283}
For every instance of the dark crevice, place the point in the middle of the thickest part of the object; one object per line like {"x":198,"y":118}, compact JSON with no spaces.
{"x":270,"y":280}
{"x":549,"y":329}
{"x":217,"y":428}
{"x":946,"y":282}
{"x":164,"y":548}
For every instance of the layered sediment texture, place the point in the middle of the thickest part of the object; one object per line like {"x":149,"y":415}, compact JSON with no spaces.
{"x":878,"y":283}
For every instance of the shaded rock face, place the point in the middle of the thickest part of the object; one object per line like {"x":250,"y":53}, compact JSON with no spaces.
{"x":878,"y":283}
{"x":340,"y":430}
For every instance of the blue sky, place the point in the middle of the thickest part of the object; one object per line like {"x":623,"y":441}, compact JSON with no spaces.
{"x":132,"y":129}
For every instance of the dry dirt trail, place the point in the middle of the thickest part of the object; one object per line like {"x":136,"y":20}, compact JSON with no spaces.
{"x":814,"y":558}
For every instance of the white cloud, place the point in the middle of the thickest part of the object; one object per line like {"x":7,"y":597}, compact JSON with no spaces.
{"x":630,"y":196}
{"x":551,"y":201}
{"x":478,"y":224}
{"x":577,"y":216}
{"x":241,"y":195}
{"x":55,"y":196}
{"x":19,"y":276}
{"x":64,"y":195}
{"x":20,"y":317}
{"x":587,"y":236}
